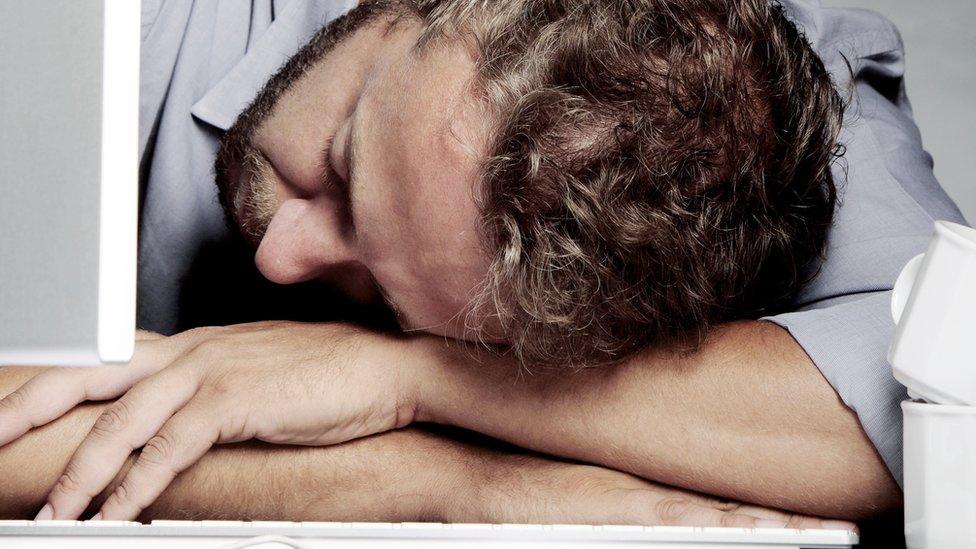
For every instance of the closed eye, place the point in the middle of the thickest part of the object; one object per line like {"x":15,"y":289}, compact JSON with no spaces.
{"x":333,"y":184}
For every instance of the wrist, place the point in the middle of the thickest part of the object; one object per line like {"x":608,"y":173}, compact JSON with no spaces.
{"x":427,"y":477}
{"x":427,"y":385}
{"x":451,"y":476}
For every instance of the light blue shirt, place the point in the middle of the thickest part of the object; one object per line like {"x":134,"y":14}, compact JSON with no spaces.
{"x":204,"y":61}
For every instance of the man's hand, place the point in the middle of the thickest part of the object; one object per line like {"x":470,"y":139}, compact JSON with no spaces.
{"x":286,"y":383}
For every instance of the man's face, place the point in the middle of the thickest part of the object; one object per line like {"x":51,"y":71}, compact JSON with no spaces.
{"x":361,"y":173}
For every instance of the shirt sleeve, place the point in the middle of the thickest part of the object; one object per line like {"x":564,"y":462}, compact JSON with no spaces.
{"x":848,"y":342}
{"x":888,"y":201}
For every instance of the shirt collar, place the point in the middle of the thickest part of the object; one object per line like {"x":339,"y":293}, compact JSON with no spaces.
{"x":292,"y":28}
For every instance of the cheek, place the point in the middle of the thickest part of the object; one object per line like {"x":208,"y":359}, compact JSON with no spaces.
{"x":475,"y":327}
{"x":433,"y":289}
{"x":434,"y":264}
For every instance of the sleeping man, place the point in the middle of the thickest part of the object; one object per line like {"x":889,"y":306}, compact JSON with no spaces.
{"x":637,"y":246}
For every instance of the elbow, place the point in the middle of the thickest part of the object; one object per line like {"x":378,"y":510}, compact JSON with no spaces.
{"x":853,"y":484}
{"x":865,"y":496}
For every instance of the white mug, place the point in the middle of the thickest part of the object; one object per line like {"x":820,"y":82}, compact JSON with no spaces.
{"x":940,"y":476}
{"x":933,"y":352}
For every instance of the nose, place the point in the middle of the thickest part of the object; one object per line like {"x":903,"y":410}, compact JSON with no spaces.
{"x":305,"y":240}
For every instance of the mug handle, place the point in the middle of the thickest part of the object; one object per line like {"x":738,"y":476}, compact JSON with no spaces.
{"x":903,"y":286}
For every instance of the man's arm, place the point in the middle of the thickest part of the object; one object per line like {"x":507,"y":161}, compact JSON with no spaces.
{"x":401,"y":475}
{"x":405,"y":475}
{"x":748,"y":417}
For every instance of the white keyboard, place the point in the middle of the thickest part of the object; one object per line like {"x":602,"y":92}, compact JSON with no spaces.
{"x":271,"y":535}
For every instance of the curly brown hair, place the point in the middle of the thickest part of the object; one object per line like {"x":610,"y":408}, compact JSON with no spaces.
{"x":658,"y":166}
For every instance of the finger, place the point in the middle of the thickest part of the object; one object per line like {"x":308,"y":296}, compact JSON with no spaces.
{"x":180,"y":443}
{"x":831,"y":524}
{"x":124,"y":426}
{"x":682,"y":511}
{"x":735,"y":519}
{"x":751,"y":510}
{"x":804,"y":522}
{"x":42,"y":399}
{"x":146,"y":335}
{"x":695,"y":515}
{"x":793,"y":520}
{"x":52,"y":393}
{"x":739,"y":520}
{"x":108,"y":382}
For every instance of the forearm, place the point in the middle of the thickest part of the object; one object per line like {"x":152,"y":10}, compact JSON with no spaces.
{"x":395,"y":477}
{"x":399,"y":476}
{"x":748,"y":417}
{"x":404,"y":475}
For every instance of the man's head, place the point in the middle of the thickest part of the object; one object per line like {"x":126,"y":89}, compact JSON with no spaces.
{"x":577,"y":179}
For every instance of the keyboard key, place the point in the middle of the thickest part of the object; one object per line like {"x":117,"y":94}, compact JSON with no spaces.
{"x":729,"y":531}
{"x":372,"y":525}
{"x":330,"y":525}
{"x":108,"y":523}
{"x":621,"y":528}
{"x":573,"y":527}
{"x":176,"y":523}
{"x":224,"y":523}
{"x":424,"y":525}
{"x":57,"y":523}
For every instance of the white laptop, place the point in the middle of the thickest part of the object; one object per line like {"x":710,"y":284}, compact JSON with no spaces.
{"x":69,"y":114}
{"x":334,"y":535}
{"x":68,"y":215}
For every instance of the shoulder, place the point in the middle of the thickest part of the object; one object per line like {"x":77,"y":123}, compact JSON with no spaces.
{"x":888,"y":195}
{"x":839,"y":34}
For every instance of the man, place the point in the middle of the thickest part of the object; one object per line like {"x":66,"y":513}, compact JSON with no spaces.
{"x":365,"y":174}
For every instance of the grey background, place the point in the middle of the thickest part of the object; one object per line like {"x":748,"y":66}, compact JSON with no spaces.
{"x":940,"y":58}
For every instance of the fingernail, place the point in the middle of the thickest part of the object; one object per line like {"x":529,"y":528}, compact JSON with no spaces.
{"x":98,"y":516}
{"x":46,"y":512}
{"x":838,"y":525}
{"x":770,"y":523}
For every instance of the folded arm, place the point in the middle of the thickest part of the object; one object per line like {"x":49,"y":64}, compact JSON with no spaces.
{"x":404,"y":475}
{"x":747,"y":417}
{"x":397,"y":476}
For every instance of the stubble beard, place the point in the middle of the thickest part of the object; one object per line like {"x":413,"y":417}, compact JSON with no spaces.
{"x":243,"y":175}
